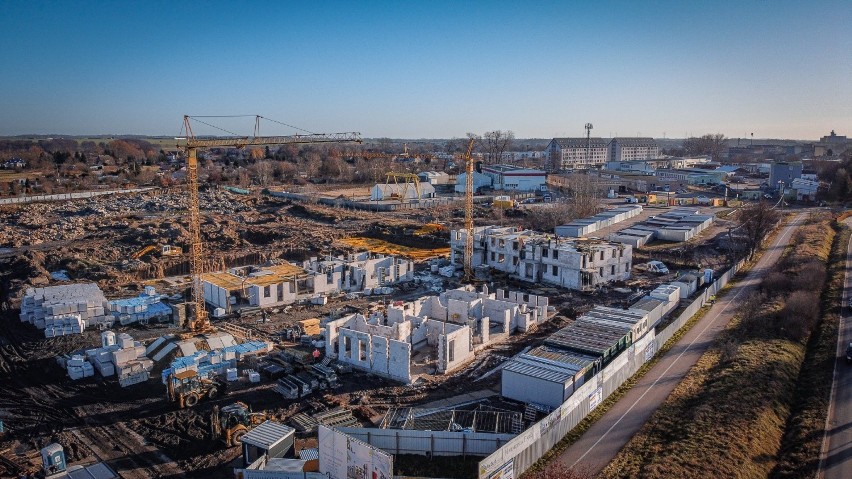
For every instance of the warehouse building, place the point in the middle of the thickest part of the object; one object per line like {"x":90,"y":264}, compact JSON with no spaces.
{"x":587,"y":226}
{"x":507,"y":177}
{"x":546,"y":375}
{"x":677,"y":225}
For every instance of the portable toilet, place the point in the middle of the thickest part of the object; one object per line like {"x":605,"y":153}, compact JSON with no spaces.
{"x":53,"y":459}
{"x":708,"y":276}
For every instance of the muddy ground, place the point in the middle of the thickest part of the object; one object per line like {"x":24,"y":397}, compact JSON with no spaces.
{"x":136,"y":430}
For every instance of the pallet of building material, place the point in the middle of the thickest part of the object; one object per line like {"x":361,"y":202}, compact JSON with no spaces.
{"x":286,"y":388}
{"x":135,"y":378}
{"x":304,"y":423}
{"x":337,"y":417}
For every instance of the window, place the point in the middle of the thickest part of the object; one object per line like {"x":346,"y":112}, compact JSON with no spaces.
{"x":613,"y":253}
{"x":620,"y":253}
{"x":515,"y":245}
{"x":613,"y":270}
{"x":501,"y":258}
{"x":492,"y":256}
{"x":602,"y":253}
{"x":584,"y":261}
{"x":451,"y":350}
{"x":362,"y":350}
{"x":544,"y":252}
{"x":600,"y":271}
{"x":556,"y":254}
{"x":266,"y":292}
{"x":555,"y":270}
{"x":281,"y":292}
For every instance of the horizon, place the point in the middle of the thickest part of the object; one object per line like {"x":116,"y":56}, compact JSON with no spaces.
{"x":431,"y":71}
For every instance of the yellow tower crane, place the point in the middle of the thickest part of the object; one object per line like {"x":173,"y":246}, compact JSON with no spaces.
{"x":198,"y":321}
{"x":468,"y":212}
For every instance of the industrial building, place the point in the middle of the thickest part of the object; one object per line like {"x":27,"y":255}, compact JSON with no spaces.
{"x":587,"y":226}
{"x":627,"y":149}
{"x":784,"y":171}
{"x":577,"y":153}
{"x":479,"y":181}
{"x":676,"y":225}
{"x":581,"y":264}
{"x":507,"y":177}
{"x":276,"y":285}
{"x":692,"y":176}
{"x":434,"y":332}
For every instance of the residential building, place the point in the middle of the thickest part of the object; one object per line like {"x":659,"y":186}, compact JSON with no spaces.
{"x":785,"y":171}
{"x":577,"y":153}
{"x":441,"y":333}
{"x":806,"y":190}
{"x":277,"y":285}
{"x":581,"y":264}
{"x":627,"y":149}
{"x":507,"y":177}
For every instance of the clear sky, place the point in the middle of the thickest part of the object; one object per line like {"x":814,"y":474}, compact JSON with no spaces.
{"x":430,"y":69}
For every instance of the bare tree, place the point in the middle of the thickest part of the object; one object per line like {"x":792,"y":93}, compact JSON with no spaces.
{"x":757,"y":220}
{"x":496,"y":142}
{"x":710,"y":144}
{"x":263,"y":172}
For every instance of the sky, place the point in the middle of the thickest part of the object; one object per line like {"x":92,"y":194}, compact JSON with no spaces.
{"x":429,"y":69}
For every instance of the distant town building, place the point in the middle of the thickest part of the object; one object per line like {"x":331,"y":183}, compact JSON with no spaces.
{"x":479,"y":181}
{"x":785,"y":171}
{"x":693,"y":176}
{"x":626,"y":149}
{"x":831,"y":145}
{"x":434,"y":177}
{"x":577,"y":153}
{"x":507,"y":177}
{"x":13,"y":163}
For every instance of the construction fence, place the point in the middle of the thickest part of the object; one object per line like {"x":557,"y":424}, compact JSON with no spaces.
{"x":66,"y":196}
{"x":431,"y":443}
{"x":521,"y":452}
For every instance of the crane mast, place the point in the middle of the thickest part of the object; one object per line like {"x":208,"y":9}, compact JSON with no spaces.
{"x":199,"y":321}
{"x":468,"y":212}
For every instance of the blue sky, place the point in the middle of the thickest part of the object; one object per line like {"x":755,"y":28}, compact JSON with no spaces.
{"x":430,"y":69}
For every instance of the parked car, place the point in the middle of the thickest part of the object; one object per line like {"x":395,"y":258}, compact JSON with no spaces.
{"x":849,"y":353}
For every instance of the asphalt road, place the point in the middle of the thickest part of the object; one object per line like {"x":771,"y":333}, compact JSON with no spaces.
{"x":836,"y":458}
{"x":600,"y":444}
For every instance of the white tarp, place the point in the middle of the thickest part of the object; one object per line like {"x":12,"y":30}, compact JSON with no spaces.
{"x":344,"y":457}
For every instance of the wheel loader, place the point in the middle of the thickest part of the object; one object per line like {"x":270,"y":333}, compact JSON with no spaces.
{"x":187,"y":388}
{"x":232,"y":422}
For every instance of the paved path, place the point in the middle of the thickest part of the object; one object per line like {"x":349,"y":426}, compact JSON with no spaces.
{"x":599,"y":445}
{"x":836,"y":457}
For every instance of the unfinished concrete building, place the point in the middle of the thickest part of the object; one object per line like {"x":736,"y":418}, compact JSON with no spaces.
{"x":581,"y":264}
{"x":277,"y":285}
{"x":434,"y":333}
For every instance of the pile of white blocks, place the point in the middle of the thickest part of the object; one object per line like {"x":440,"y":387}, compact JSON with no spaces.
{"x":65,"y":309}
{"x":122,"y":356}
{"x":79,"y":368}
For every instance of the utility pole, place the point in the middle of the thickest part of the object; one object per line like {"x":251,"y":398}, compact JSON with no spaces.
{"x":588,"y":142}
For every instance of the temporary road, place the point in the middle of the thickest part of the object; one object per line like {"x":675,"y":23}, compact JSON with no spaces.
{"x":600,"y":444}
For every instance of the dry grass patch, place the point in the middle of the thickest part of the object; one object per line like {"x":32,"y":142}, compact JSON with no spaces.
{"x":728,"y":416}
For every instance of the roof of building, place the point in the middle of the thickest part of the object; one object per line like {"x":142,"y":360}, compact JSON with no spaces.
{"x":633,"y":141}
{"x":581,"y":142}
{"x":541,"y":368}
{"x":268,"y":435}
{"x":268,"y":275}
{"x":509,"y":169}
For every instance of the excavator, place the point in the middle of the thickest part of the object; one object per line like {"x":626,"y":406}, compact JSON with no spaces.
{"x":232,"y":422}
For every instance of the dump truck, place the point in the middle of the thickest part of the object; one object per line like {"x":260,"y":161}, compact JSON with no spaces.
{"x":187,"y":388}
{"x":233,"y":421}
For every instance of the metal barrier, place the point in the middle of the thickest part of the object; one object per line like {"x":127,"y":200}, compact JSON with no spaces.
{"x":432,"y":443}
{"x":66,"y":196}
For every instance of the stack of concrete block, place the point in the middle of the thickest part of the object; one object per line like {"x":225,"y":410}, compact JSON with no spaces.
{"x":143,"y":308}
{"x":62,"y":325}
{"x":79,"y":368}
{"x":65,"y":309}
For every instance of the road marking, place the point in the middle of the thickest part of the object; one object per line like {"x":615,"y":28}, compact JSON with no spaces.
{"x":789,"y":228}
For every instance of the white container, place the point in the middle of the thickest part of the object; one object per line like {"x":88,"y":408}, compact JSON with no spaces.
{"x":231,"y":374}
{"x":150,"y":290}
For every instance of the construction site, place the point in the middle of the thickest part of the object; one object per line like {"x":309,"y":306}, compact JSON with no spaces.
{"x":170,"y":332}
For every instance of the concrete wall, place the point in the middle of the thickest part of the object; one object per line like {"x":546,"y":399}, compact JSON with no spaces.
{"x":456,"y":349}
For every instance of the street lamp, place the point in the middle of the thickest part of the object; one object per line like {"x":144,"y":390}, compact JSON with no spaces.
{"x":781,"y":189}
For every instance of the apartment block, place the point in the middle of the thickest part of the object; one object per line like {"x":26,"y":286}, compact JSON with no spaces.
{"x":577,"y":153}
{"x":629,"y":149}
{"x":581,"y":264}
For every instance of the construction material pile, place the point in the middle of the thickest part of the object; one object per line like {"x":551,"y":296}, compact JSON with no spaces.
{"x":118,"y":355}
{"x":141,"y":309}
{"x":65,"y":309}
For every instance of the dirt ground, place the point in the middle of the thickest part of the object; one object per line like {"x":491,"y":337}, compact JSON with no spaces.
{"x":136,"y":430}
